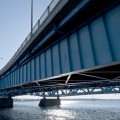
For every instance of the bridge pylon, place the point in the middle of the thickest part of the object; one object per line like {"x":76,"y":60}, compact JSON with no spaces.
{"x":6,"y":102}
{"x":49,"y":101}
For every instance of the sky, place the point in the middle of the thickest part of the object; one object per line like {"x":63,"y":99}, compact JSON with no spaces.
{"x":15,"y":24}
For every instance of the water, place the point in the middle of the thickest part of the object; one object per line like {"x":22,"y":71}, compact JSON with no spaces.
{"x":69,"y":110}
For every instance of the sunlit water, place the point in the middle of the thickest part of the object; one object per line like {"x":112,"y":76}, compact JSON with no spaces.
{"x":69,"y":110}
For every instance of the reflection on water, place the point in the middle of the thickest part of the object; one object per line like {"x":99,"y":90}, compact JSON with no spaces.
{"x":69,"y":110}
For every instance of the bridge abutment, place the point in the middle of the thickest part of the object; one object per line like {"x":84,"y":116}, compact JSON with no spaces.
{"x":49,"y":102}
{"x":6,"y":102}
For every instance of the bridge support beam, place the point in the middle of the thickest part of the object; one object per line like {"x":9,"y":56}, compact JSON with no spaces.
{"x":49,"y":102}
{"x":6,"y":102}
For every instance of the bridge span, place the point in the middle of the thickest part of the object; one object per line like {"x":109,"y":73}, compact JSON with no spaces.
{"x":73,"y":49}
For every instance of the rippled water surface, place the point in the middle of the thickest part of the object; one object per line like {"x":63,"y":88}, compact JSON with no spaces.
{"x":69,"y":110}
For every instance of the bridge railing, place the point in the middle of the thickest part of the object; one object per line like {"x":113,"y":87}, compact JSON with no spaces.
{"x":40,"y":21}
{"x":35,"y":28}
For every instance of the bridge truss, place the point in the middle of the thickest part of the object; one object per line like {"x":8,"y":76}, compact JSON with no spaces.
{"x":99,"y":80}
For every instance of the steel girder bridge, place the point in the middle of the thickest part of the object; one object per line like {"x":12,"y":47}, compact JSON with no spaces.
{"x":72,"y":50}
{"x":101,"y":80}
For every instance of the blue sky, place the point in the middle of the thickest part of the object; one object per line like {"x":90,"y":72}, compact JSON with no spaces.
{"x":15,"y":21}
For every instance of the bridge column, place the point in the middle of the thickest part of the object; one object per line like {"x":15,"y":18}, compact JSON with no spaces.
{"x":6,"y":102}
{"x":49,"y":102}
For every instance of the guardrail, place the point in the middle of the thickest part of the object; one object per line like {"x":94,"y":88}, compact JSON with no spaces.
{"x":38,"y":24}
{"x":35,"y":28}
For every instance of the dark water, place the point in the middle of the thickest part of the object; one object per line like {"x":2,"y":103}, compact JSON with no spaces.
{"x":69,"y":110}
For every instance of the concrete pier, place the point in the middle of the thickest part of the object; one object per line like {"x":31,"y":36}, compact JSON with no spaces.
{"x":6,"y":102}
{"x":49,"y":102}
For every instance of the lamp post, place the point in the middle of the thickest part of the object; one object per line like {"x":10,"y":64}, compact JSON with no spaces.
{"x":31,"y":16}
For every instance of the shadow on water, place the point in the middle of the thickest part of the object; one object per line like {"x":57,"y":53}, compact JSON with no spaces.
{"x":4,"y":112}
{"x":49,"y":107}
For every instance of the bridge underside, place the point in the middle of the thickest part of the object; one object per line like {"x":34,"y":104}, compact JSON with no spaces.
{"x":98,"y":80}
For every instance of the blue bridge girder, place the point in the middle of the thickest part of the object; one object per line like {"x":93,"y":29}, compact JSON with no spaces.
{"x":75,"y":83}
{"x":74,"y":46}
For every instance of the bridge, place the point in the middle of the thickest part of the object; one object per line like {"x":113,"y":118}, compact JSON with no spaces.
{"x":73,"y":49}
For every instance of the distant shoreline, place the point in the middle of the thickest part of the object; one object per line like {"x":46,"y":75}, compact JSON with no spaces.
{"x":67,"y":99}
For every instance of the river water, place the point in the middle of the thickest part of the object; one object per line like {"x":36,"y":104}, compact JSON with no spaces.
{"x":69,"y":110}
